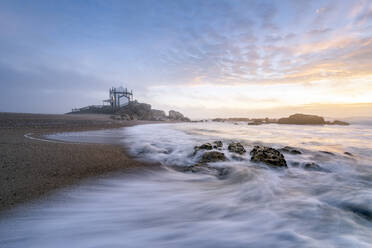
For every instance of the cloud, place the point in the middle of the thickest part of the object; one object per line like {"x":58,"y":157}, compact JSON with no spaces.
{"x":267,"y":12}
{"x":317,"y":32}
{"x":60,"y":49}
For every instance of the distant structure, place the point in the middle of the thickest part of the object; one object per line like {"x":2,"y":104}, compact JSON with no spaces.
{"x":111,"y":104}
{"x":116,"y":94}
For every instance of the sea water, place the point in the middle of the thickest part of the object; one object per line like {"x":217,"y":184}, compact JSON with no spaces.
{"x":252,"y":206}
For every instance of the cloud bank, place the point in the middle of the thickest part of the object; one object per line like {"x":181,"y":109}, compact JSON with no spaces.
{"x":197,"y":56}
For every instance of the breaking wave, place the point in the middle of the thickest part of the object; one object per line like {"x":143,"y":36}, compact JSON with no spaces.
{"x":253,"y":206}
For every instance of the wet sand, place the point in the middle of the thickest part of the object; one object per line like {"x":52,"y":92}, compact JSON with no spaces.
{"x":30,"y":168}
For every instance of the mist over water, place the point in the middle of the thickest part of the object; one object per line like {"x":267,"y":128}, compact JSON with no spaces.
{"x":254,"y":206}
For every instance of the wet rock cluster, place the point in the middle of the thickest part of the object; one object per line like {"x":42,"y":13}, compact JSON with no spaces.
{"x":236,"y":147}
{"x":259,"y":154}
{"x":268,"y":155}
{"x":213,"y":154}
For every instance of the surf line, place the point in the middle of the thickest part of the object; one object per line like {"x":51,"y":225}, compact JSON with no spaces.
{"x":29,"y":136}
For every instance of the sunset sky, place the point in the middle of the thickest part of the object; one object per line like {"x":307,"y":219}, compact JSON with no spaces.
{"x":203,"y":58}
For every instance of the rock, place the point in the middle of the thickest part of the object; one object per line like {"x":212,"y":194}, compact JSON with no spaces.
{"x":217,"y":144}
{"x":342,"y":123}
{"x":327,"y":152}
{"x":349,"y":154}
{"x":206,"y":146}
{"x":219,"y":120}
{"x":362,"y":210}
{"x":314,"y":167}
{"x":256,"y":122}
{"x":158,"y":115}
{"x":142,"y":111}
{"x":268,"y":156}
{"x":125,"y":117}
{"x":295,"y":164}
{"x":137,"y":111}
{"x":213,"y":156}
{"x":301,"y":119}
{"x":236,"y":147}
{"x":207,"y":169}
{"x":177,"y":116}
{"x":290,"y":150}
{"x":311,"y":166}
{"x":237,"y":157}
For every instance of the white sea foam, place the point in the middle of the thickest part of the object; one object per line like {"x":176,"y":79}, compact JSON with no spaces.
{"x":254,"y":206}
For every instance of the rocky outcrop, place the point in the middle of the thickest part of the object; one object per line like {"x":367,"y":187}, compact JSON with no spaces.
{"x":137,"y":111}
{"x":158,"y":115}
{"x":312,"y":166}
{"x":174,"y":115}
{"x":268,"y":155}
{"x":177,"y":116}
{"x":213,"y":156}
{"x":236,"y":147}
{"x":206,"y":146}
{"x":207,"y":169}
{"x":291,"y":150}
{"x":143,"y":111}
{"x":302,"y":119}
{"x":342,"y":123}
{"x":208,"y":157}
{"x":297,"y":119}
{"x":134,"y":110}
{"x":217,"y":144}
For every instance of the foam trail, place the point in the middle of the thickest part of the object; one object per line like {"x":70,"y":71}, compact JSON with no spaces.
{"x":254,"y":206}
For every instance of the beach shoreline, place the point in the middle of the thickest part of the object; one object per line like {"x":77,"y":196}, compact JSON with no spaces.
{"x":30,"y":168}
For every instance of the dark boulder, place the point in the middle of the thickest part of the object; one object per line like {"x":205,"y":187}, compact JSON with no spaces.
{"x":342,"y":123}
{"x":349,"y":154}
{"x":213,"y":156}
{"x":207,"y":169}
{"x":290,"y":150}
{"x":236,"y":147}
{"x":206,"y":146}
{"x":301,"y":119}
{"x":362,"y":211}
{"x":217,"y":144}
{"x":295,"y":164}
{"x":256,"y":122}
{"x":327,"y":152}
{"x":312,"y":166}
{"x":268,"y":156}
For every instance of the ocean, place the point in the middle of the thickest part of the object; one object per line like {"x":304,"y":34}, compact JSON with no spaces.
{"x":253,"y":205}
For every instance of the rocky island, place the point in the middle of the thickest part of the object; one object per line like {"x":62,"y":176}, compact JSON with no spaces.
{"x":295,"y":119}
{"x":135,"y":110}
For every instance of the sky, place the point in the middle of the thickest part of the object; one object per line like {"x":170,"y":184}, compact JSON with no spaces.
{"x":204,"y":58}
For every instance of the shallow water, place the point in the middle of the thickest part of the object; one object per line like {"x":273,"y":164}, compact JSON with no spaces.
{"x":254,"y":206}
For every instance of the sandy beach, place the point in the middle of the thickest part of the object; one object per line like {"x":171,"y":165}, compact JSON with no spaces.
{"x":31,"y":168}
